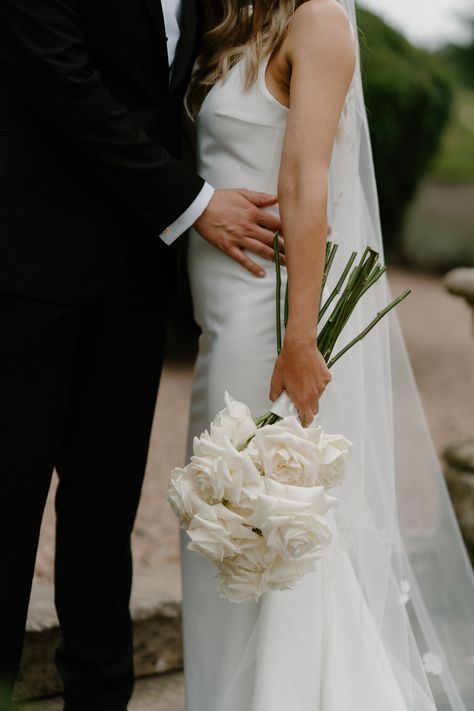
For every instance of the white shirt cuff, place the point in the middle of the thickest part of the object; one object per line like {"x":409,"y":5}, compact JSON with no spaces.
{"x":189,"y":216}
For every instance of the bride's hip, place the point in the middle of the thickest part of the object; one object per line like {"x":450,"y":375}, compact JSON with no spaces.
{"x":206,"y":261}
{"x":225,"y":293}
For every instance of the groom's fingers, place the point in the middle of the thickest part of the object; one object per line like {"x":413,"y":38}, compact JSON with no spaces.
{"x":259,"y":199}
{"x":263,"y":217}
{"x":263,"y":250}
{"x":240,"y":257}
{"x":267,"y":236}
{"x":271,"y":222}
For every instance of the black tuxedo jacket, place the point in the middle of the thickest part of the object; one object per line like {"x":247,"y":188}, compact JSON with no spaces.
{"x":88,"y":140}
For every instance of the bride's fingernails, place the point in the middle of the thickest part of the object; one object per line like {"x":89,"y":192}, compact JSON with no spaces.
{"x":261,"y":273}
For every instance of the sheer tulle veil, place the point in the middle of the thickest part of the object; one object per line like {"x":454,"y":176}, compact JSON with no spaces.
{"x":394,"y":513}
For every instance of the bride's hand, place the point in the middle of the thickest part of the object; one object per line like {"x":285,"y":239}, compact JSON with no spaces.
{"x":302,"y":372}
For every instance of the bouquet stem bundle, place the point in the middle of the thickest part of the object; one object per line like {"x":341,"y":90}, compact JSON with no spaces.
{"x":353,"y":283}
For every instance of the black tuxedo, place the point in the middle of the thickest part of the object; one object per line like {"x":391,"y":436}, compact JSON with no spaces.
{"x":86,"y":111}
{"x":89,"y":177}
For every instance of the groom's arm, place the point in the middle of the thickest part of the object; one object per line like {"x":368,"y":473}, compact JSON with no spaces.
{"x":42,"y":43}
{"x":43,"y":46}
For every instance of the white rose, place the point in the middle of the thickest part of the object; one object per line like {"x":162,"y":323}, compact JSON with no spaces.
{"x":222,"y":472}
{"x":236,"y":421}
{"x":278,"y":497}
{"x":284,"y":575}
{"x":181,"y":495}
{"x":295,"y":536}
{"x":287,"y":453}
{"x":315,"y":434}
{"x":211,"y":476}
{"x":244,"y":577}
{"x":291,"y":519}
{"x":335,"y":451}
{"x":238,"y":582}
{"x":216,"y":532}
{"x":255,"y":456}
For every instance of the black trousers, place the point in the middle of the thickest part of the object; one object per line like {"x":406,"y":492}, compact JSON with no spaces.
{"x":78,"y":386}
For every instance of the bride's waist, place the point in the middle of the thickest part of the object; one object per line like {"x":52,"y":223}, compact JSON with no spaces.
{"x":233,"y":178}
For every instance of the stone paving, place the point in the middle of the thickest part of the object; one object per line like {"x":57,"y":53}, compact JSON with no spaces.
{"x":438,"y":331}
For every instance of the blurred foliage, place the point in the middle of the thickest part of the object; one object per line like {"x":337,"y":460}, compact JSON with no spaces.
{"x":455,"y":160}
{"x":460,"y":58}
{"x":408,"y":95}
{"x":439,"y":230}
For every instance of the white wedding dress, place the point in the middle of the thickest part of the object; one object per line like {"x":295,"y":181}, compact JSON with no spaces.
{"x":342,"y":639}
{"x":319,"y":649}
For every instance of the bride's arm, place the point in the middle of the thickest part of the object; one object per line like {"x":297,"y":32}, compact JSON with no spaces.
{"x":319,"y":52}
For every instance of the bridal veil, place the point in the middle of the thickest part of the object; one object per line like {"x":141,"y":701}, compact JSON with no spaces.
{"x":394,"y":513}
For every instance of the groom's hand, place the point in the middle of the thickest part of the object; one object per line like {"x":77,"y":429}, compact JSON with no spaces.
{"x":235,"y":220}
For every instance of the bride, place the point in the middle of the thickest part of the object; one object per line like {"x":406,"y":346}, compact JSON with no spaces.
{"x":385,"y":623}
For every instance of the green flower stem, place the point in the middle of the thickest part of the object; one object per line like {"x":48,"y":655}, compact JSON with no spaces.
{"x":377,"y":272}
{"x":368,"y":328}
{"x":338,"y":286}
{"x":331,"y":325}
{"x":331,"y":250}
{"x":358,"y":280}
{"x":360,"y":283}
{"x":269,"y":418}
{"x":276,"y":248}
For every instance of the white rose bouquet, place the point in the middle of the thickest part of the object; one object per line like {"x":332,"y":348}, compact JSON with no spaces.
{"x":254,"y":497}
{"x":254,"y":500}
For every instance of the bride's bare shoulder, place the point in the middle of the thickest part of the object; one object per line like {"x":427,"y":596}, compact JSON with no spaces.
{"x":313,"y":11}
{"x":322,"y":24}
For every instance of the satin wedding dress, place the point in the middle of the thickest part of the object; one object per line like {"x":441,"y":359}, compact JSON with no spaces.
{"x":342,"y":639}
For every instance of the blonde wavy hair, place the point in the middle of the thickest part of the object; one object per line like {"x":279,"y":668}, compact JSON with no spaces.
{"x":236,"y":30}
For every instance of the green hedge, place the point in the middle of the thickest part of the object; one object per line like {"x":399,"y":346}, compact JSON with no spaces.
{"x":408,"y":96}
{"x":460,"y":58}
{"x":454,"y":162}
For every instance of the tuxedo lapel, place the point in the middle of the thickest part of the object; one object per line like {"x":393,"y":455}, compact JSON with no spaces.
{"x":156,"y":12}
{"x":186,"y":44}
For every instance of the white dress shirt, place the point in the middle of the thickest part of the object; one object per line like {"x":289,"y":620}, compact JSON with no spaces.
{"x":172,"y":10}
{"x":172,"y":15}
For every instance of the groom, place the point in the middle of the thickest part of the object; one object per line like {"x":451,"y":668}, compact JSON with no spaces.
{"x":91,"y":195}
